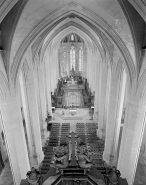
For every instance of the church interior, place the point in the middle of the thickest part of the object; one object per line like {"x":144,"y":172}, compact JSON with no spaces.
{"x":72,"y":92}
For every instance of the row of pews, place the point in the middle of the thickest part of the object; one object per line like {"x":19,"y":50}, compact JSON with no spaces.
{"x":65,"y":129}
{"x":87,"y":133}
{"x":57,"y":136}
{"x":96,"y":146}
{"x":80,"y":131}
{"x":48,"y":148}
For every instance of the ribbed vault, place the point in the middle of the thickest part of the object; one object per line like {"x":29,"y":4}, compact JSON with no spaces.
{"x":72,"y":13}
{"x":61,"y":33}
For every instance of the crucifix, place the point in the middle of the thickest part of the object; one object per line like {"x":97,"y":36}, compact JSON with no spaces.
{"x":73,"y":138}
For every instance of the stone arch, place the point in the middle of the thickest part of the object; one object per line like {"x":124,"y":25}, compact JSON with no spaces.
{"x":63,"y":32}
{"x":58,"y":17}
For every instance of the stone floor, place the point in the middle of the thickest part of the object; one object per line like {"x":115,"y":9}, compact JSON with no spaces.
{"x":6,"y":175}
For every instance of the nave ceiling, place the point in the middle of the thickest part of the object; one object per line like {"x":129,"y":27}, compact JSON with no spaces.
{"x":103,"y":23}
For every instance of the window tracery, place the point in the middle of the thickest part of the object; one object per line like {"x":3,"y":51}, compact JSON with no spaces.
{"x":81,"y":59}
{"x":72,"y":57}
{"x":72,"y":37}
{"x":64,"y":60}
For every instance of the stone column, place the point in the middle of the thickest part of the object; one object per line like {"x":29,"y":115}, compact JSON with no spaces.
{"x":53,"y":57}
{"x":59,"y":61}
{"x":14,"y":138}
{"x":97,"y":77}
{"x":93,"y":71}
{"x":87,"y":68}
{"x":51,"y":70}
{"x":37,"y":87}
{"x":57,"y":66}
{"x":106,"y":105}
{"x":30,"y":134}
{"x":44,"y":98}
{"x":109,"y":155}
{"x":42,"y":89}
{"x":102,"y":98}
{"x":90,"y":70}
{"x":41,"y":97}
{"x":132,"y":136}
{"x":48,"y":81}
{"x":84,"y":60}
{"x":31,"y":90}
{"x":120,"y":107}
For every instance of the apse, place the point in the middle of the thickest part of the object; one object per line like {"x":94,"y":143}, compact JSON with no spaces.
{"x":72,"y":55}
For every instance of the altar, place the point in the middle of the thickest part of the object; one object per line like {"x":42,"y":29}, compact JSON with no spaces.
{"x":71,"y":82}
{"x":73,"y":98}
{"x":73,"y":112}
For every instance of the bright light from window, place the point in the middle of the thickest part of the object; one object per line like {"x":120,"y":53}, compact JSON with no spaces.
{"x":72,"y":57}
{"x":81,"y":59}
{"x":72,"y":37}
{"x":63,"y":66}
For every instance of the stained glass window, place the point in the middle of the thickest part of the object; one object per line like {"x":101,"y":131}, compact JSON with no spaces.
{"x":72,"y":37}
{"x":72,"y":57}
{"x":81,"y":59}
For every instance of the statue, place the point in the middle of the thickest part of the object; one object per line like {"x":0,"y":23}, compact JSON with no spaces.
{"x":72,"y":73}
{"x":33,"y":176}
{"x":83,"y":159}
{"x":113,"y":176}
{"x":61,"y":156}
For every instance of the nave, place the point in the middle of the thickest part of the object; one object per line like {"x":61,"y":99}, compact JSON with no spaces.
{"x":80,"y":61}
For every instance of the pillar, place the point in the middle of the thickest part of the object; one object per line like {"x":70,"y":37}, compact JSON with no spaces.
{"x":108,"y":154}
{"x":29,"y":130}
{"x":88,"y":67}
{"x":57,"y":66}
{"x":91,"y":70}
{"x":132,"y":137}
{"x":48,"y":80}
{"x":120,"y":110}
{"x":106,"y":105}
{"x":98,"y":61}
{"x":31,"y":90}
{"x":102,"y":98}
{"x":42,"y":89}
{"x":15,"y":139}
